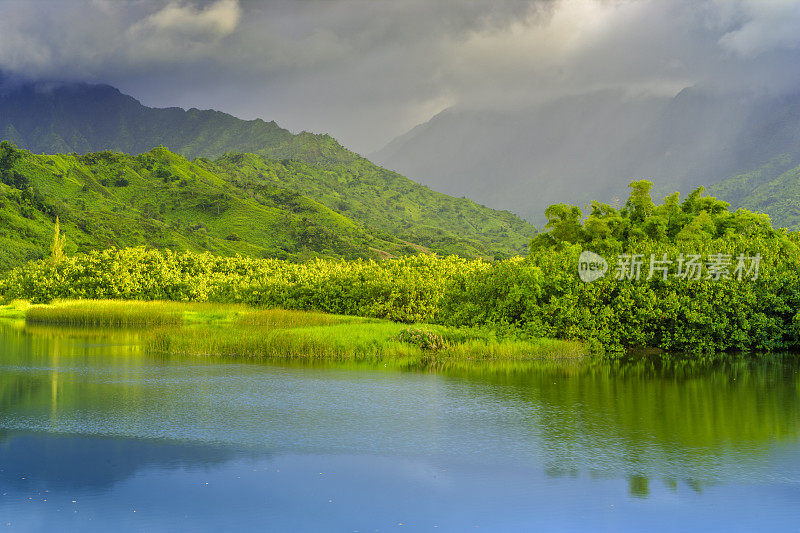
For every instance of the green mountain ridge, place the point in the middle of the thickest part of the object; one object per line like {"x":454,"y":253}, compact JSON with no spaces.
{"x":774,"y":189}
{"x":78,"y":118}
{"x":308,"y":194}
{"x":238,"y":204}
{"x":82,"y":118}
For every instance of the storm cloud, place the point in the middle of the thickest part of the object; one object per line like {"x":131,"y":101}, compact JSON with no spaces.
{"x":368,"y":71}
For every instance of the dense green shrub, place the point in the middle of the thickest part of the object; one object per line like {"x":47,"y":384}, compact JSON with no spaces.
{"x":408,"y":289}
{"x":538,"y":296}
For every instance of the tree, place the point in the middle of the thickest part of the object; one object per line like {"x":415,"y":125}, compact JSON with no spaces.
{"x":8,"y":155}
{"x":698,"y":219}
{"x":57,"y":248}
{"x":640,"y":204}
{"x":564,"y":222}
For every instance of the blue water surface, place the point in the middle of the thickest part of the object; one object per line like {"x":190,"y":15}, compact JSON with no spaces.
{"x":96,"y":435}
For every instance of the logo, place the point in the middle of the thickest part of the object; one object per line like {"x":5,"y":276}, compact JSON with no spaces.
{"x":591,"y":266}
{"x":633,"y":267}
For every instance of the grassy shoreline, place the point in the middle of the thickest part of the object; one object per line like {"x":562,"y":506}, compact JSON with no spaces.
{"x":240,"y":331}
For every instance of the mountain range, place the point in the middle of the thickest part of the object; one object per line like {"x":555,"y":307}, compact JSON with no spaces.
{"x":213,"y":182}
{"x":57,"y":118}
{"x":128,"y":174}
{"x":580,"y":148}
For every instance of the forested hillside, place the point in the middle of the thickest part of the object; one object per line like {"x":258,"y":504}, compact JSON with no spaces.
{"x":244,"y":204}
{"x":773,"y":188}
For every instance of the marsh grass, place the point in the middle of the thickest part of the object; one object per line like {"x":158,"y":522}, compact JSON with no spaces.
{"x":106,"y":313}
{"x":284,"y":318}
{"x":239,"y":331}
{"x":370,"y":341}
{"x":14,"y":310}
{"x":133,"y":313}
{"x":353,"y":340}
{"x":513,"y":349}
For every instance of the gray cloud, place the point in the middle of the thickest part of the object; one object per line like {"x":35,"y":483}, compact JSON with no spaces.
{"x":367,"y":71}
{"x":763,"y":26}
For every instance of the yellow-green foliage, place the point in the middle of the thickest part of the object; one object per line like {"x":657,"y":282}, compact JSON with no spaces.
{"x":235,"y":330}
{"x":540,"y":296}
{"x":408,"y":289}
{"x":106,"y":313}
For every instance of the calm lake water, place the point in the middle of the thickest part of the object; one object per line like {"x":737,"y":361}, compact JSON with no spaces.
{"x":95,"y":435}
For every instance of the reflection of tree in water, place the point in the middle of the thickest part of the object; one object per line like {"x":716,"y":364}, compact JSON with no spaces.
{"x":16,"y":388}
{"x":644,"y":420}
{"x":34,"y":361}
{"x":20,"y":389}
{"x":688,"y":419}
{"x":55,"y":352}
{"x":639,"y":486}
{"x":71,"y":461}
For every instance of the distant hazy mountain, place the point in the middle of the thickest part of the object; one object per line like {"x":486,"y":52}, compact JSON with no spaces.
{"x":586,"y":147}
{"x":57,"y":118}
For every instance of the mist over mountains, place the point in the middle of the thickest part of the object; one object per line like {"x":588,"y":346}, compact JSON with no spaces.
{"x":580,"y":148}
{"x":744,"y":146}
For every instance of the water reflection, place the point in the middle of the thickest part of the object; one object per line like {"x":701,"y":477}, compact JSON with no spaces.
{"x":78,"y":463}
{"x":70,"y":398}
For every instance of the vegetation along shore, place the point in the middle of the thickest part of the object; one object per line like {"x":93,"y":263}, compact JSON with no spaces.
{"x":239,"y":330}
{"x":521,"y":299}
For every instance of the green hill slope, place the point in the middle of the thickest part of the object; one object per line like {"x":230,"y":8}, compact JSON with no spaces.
{"x":387,"y":201}
{"x":370,"y":210}
{"x":773,"y":189}
{"x":243,"y":204}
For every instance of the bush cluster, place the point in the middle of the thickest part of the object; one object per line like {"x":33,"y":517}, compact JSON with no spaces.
{"x":409,"y":289}
{"x":427,"y":340}
{"x":537,"y":296}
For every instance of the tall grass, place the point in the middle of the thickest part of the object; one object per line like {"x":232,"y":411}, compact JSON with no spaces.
{"x":348,"y":341}
{"x":285,"y":318}
{"x":121,"y":313}
{"x":235,"y":330}
{"x":14,"y":309}
{"x":513,"y":349}
{"x":335,"y":341}
{"x":106,"y":313}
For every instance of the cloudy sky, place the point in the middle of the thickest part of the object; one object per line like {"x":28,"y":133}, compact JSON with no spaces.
{"x":366,"y":71}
